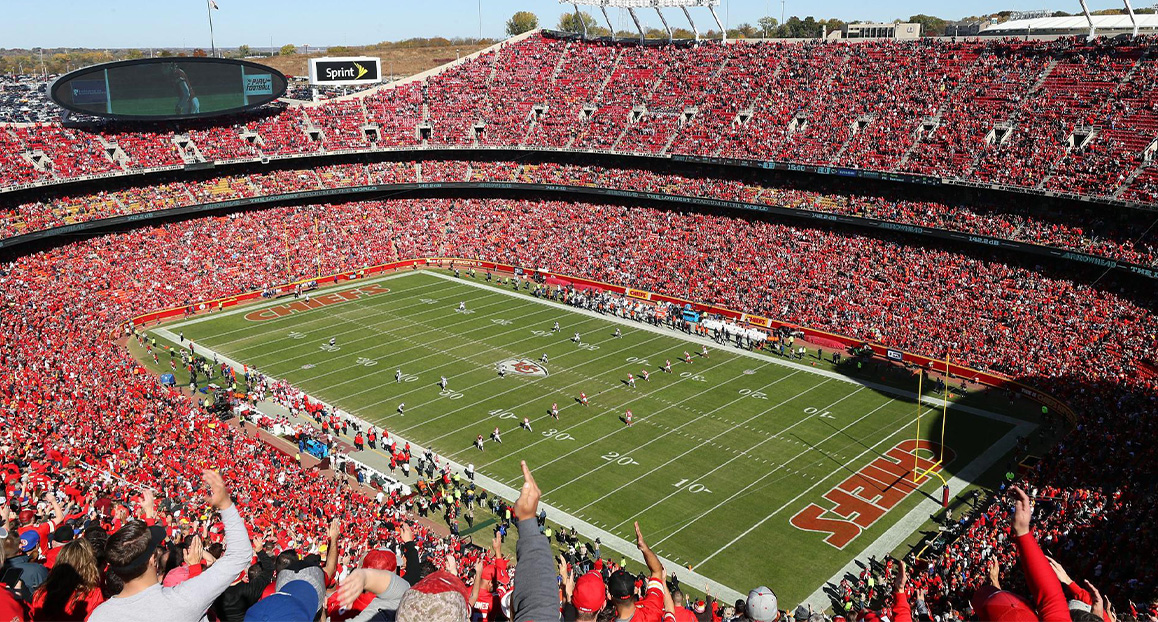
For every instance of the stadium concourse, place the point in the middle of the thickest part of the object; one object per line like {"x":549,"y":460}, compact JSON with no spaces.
{"x":124,"y":499}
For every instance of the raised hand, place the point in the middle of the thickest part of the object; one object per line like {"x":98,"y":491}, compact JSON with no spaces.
{"x":218,"y":495}
{"x":1023,"y":511}
{"x":527,"y":505}
{"x":195,"y":552}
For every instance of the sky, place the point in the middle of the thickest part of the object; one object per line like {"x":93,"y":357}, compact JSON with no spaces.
{"x":183,"y":23}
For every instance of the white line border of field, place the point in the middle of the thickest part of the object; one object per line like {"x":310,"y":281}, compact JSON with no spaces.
{"x":588,"y":530}
{"x":753,"y":355}
{"x":885,"y":543}
{"x":899,"y":531}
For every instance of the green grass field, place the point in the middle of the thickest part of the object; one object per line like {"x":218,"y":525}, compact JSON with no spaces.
{"x":722,"y":454}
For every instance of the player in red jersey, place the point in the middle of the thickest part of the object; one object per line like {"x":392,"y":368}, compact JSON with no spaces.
{"x":646,"y":376}
{"x":627,"y":418}
{"x":555,"y":410}
{"x":583,"y":398}
{"x":631,"y":381}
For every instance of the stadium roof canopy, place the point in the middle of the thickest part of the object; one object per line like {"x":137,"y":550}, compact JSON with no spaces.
{"x":632,"y":5}
{"x":1076,"y":25}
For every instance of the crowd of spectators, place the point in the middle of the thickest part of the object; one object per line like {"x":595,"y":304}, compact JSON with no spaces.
{"x":86,"y":429}
{"x":1067,"y":115}
{"x":1101,"y":234}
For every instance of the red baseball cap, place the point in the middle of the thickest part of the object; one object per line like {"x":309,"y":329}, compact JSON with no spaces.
{"x":1002,"y":606}
{"x":27,"y":516}
{"x":379,"y":559}
{"x":590,"y":593}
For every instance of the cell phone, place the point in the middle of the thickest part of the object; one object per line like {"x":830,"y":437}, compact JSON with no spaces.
{"x":12,"y":577}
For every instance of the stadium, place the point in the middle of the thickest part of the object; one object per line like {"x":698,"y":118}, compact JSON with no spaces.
{"x":586,"y":327}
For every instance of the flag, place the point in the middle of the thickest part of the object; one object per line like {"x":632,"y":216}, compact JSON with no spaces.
{"x":213,"y":5}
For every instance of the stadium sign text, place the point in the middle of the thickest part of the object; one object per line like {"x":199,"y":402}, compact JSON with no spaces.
{"x":863,"y":498}
{"x":334,"y":71}
{"x":317,"y":302}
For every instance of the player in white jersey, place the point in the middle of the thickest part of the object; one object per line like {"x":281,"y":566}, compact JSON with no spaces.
{"x":543,"y":359}
{"x":495,"y":436}
{"x":398,"y":376}
{"x":577,"y":339}
{"x":526,"y":424}
{"x":555,"y":328}
{"x":618,"y":333}
{"x":462,"y":306}
{"x":442,"y":383}
{"x":402,"y":409}
{"x":502,"y":371}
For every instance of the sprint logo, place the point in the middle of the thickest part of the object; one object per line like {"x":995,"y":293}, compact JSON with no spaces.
{"x":360,"y":70}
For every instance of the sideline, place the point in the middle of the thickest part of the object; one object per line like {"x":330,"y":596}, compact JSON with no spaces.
{"x":555,"y":513}
{"x":670,"y":332}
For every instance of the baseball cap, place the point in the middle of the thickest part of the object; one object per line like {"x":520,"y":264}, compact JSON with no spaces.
{"x":590,"y":593}
{"x":294,"y":601}
{"x":379,"y":559}
{"x":438,"y":597}
{"x":156,"y":537}
{"x":1077,"y":605}
{"x":307,"y":573}
{"x":1002,"y":606}
{"x":801,"y":614}
{"x":29,"y":540}
{"x":762,"y":605}
{"x":63,"y":534}
{"x":27,"y":516}
{"x":621,"y":585}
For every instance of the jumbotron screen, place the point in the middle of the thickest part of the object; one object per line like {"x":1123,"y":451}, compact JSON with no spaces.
{"x":168,"y":88}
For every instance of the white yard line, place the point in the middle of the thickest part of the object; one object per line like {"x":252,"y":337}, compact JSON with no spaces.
{"x":694,"y":447}
{"x":738,"y":456}
{"x":248,"y":306}
{"x":589,"y":531}
{"x":899,"y":531}
{"x":617,"y":431}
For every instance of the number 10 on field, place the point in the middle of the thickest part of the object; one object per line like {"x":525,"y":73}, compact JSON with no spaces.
{"x":692,"y":488}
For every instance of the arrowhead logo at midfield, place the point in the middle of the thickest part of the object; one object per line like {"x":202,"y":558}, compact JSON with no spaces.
{"x":523,"y":367}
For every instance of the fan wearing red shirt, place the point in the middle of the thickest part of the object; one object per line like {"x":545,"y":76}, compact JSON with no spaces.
{"x":621,"y":586}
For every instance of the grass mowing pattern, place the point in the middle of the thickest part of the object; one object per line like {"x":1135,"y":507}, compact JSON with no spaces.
{"x":706,"y":459}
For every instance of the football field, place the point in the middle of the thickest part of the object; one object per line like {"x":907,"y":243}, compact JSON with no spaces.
{"x":753,"y":469}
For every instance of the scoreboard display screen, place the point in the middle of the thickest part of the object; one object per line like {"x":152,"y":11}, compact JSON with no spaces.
{"x":168,"y":88}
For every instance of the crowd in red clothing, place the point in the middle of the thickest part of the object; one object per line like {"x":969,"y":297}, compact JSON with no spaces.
{"x":1067,"y":115}
{"x":71,"y":395}
{"x":1124,"y":238}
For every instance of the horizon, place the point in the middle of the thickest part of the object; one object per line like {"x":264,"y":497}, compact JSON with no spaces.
{"x":135,"y":24}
